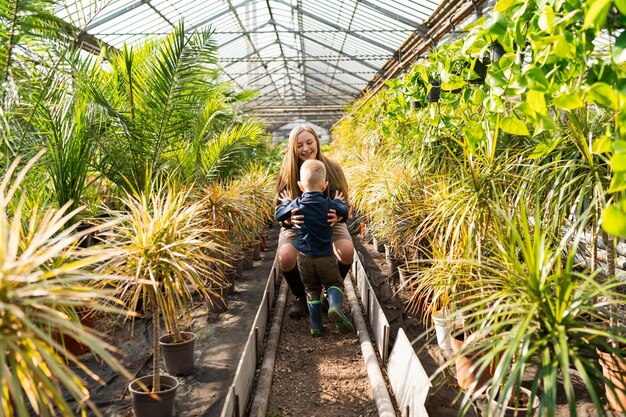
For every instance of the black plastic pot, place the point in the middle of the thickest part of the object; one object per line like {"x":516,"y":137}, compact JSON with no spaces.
{"x":178,"y":358}
{"x":415,"y":105}
{"x":497,"y":51}
{"x":217,"y":302}
{"x":146,"y":405}
{"x":480,"y":68}
{"x":434,"y":93}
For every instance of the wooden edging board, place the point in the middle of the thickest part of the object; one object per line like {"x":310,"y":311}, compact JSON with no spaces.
{"x":409,"y":381}
{"x":241,"y":389}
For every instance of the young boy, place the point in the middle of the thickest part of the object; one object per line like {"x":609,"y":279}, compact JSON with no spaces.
{"x":316,"y":262}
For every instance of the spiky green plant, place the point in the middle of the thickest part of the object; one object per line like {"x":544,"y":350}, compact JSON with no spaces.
{"x":163,"y":245}
{"x":538,"y":310}
{"x":44,"y":279}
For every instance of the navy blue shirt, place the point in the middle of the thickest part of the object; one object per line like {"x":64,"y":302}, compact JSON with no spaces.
{"x":315,"y":236}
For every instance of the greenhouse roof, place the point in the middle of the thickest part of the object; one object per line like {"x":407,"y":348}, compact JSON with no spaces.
{"x":308,"y":59}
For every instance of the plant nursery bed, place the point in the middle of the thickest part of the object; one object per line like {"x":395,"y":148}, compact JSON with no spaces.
{"x":219,"y":344}
{"x":445,"y":395}
{"x":320,"y":376}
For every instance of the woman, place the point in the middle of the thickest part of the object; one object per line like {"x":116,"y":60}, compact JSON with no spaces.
{"x":305,"y":144}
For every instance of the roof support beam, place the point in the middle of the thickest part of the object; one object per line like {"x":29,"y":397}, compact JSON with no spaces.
{"x":334,"y":86}
{"x":352,"y":57}
{"x":395,"y":16}
{"x":327,"y":62}
{"x":255,"y":52}
{"x":233,"y":10}
{"x":241,"y":35}
{"x":116,"y":13}
{"x":339,"y":28}
{"x":280,"y":44}
{"x":220,"y":14}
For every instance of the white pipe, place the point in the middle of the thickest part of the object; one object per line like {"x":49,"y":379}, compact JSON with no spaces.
{"x":381,"y":395}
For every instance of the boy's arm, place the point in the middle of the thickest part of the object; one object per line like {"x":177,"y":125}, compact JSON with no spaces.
{"x":283,"y":212}
{"x":340,"y":207}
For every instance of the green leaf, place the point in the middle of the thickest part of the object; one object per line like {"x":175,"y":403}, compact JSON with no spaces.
{"x":563,"y":48}
{"x":618,"y":162}
{"x":602,"y":145}
{"x":537,"y":101}
{"x":621,"y":6}
{"x":618,"y":182}
{"x":545,"y":147}
{"x":503,"y":5}
{"x":568,"y":101}
{"x":596,"y":14}
{"x":514,"y":126}
{"x":619,"y":50}
{"x":603,"y":95}
{"x":474,"y":133}
{"x":535,"y":79}
{"x":619,"y":146}
{"x":614,"y":220}
{"x":546,"y":20}
{"x":496,"y":25}
{"x":545,"y":122}
{"x":495,"y":79}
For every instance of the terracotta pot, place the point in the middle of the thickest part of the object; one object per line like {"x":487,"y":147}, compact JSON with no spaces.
{"x":466,"y":373}
{"x":145,"y":404}
{"x":511,"y":410}
{"x":614,"y":369}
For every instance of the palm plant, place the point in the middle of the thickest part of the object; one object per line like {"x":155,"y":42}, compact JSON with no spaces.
{"x":45,"y":279}
{"x":214,"y":154}
{"x":163,"y":245}
{"x":152,"y":96}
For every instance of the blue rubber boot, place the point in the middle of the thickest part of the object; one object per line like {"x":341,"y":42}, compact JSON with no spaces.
{"x":315,"y":317}
{"x":335,"y":312}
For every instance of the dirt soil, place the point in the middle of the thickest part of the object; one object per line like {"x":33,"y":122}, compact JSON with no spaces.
{"x":321,"y":376}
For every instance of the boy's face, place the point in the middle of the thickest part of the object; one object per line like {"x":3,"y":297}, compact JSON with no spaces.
{"x":322,"y":187}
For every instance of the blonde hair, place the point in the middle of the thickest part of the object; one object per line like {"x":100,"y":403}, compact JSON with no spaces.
{"x":313,"y":174}
{"x":290,"y":171}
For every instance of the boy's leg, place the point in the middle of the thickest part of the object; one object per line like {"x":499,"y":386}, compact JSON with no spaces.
{"x":328,"y":270}
{"x":313,"y":292}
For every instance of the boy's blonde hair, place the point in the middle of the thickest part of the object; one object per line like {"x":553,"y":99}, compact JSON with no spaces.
{"x":313,"y":174}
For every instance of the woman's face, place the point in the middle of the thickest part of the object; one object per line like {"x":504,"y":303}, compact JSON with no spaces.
{"x":307,"y":147}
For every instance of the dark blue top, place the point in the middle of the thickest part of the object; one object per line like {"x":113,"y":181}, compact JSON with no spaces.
{"x":315,"y":236}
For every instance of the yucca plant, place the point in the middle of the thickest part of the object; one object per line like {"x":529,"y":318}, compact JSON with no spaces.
{"x":539,"y":310}
{"x":162,"y":242}
{"x":45,"y":279}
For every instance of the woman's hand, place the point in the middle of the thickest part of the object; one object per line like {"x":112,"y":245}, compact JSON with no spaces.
{"x":332,"y":217}
{"x":296,"y":219}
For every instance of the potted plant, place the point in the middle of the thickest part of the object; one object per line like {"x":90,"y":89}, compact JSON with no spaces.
{"x":536,"y":303}
{"x":161,"y":238}
{"x":46,"y":279}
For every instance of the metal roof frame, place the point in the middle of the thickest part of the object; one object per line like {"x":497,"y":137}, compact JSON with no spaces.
{"x":299,"y":54}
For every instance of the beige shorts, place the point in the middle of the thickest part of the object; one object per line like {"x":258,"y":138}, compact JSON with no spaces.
{"x":340,"y":231}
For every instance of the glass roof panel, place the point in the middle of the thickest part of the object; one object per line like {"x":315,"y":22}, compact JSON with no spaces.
{"x":297,"y":52}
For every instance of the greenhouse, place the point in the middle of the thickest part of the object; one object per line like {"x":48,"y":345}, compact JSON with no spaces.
{"x":327,"y":208}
